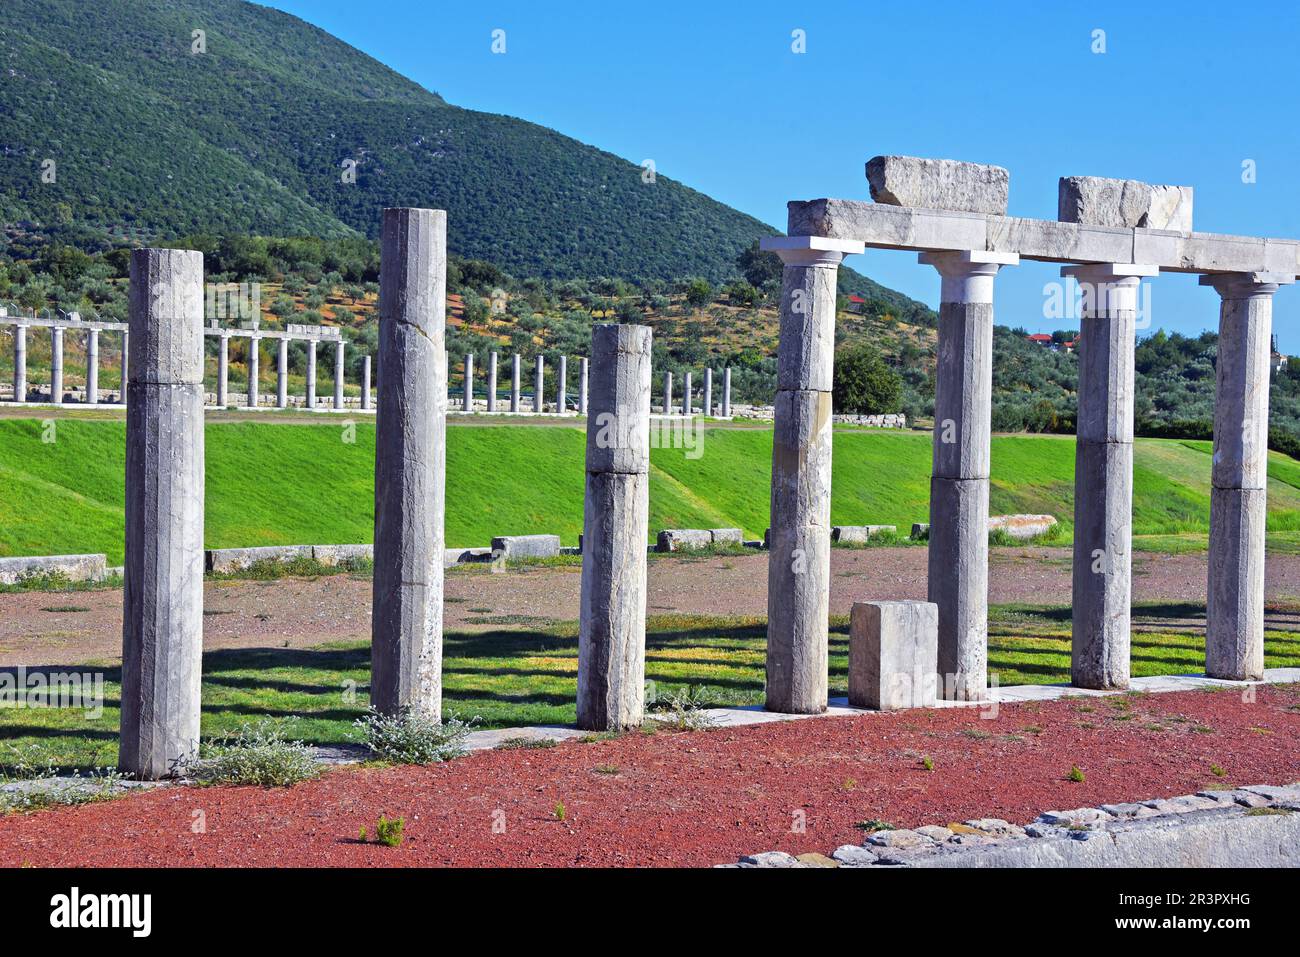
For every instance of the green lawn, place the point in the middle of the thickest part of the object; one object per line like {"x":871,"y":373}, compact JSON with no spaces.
{"x":313,"y":483}
{"x":512,"y":675}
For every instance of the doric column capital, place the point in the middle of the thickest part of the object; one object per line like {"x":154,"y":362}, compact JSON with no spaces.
{"x":1109,"y":288}
{"x":968,"y":274}
{"x":810,"y":250}
{"x":1246,"y":285}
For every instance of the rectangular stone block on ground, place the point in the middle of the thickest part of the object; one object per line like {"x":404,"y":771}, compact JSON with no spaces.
{"x":893,"y":654}
{"x":726,"y":535}
{"x":1097,"y":201}
{"x":515,"y":547}
{"x":859,"y":534}
{"x":225,"y":560}
{"x":73,"y":567}
{"x":938,"y":184}
{"x":1022,"y":526}
{"x":337,"y":554}
{"x":679,"y":539}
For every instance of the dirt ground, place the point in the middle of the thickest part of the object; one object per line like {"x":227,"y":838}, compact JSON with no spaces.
{"x":44,"y":628}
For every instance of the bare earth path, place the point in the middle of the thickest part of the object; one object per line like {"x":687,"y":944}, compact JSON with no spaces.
{"x":42,"y":628}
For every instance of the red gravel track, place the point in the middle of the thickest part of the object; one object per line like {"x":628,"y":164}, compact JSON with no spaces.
{"x":698,"y":798}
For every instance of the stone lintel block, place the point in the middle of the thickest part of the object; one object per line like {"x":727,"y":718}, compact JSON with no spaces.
{"x":798,"y":603}
{"x":963,"y":391}
{"x":611,"y":638}
{"x":1022,"y":526}
{"x":860,"y":534}
{"x":801,"y":459}
{"x":1105,"y":386}
{"x":805,"y":358}
{"x":958,"y":582}
{"x":413,"y":272}
{"x":166,"y":315}
{"x":515,"y":547}
{"x":618,"y":399}
{"x":938,"y":184}
{"x":1234,"y":631}
{"x":1097,"y":201}
{"x":893,"y":654}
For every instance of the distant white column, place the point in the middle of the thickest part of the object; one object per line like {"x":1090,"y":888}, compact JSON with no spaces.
{"x":311,"y":374}
{"x":668,"y":393}
{"x":726,"y":392}
{"x":686,"y":393}
{"x":365,"y":383}
{"x":20,"y":363}
{"x":56,"y":365}
{"x":492,"y":382}
{"x":254,"y":343}
{"x":223,"y":372}
{"x":92,"y":366}
{"x":539,"y":397}
{"x":126,"y":362}
{"x":708,"y":392}
{"x":469,"y":382}
{"x":582,"y":387}
{"x":340,"y":367}
{"x":282,"y":374}
{"x":514,"y":383}
{"x":562,"y":386}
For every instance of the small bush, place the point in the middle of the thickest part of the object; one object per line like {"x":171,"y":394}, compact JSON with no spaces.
{"x":685,"y":710}
{"x":1076,"y":775}
{"x":413,"y":737}
{"x":389,"y":832}
{"x":256,"y":755}
{"x":873,"y":825}
{"x":927,"y":762}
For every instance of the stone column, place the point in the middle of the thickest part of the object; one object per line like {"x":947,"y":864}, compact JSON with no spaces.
{"x":668,"y":393}
{"x":410,"y":464}
{"x":799,"y":560}
{"x":340,"y":371}
{"x":1103,"y":474}
{"x":708,"y":392}
{"x":582,"y":387}
{"x":254,"y":343}
{"x":469,"y":382}
{"x":514,"y":383}
{"x":959,"y":482}
{"x":538,"y":396}
{"x":223,"y":372}
{"x":562,"y":386}
{"x":726,"y":392}
{"x":1234,"y":626}
{"x":282,"y":373}
{"x":686,"y":393}
{"x":126,"y":361}
{"x":492,"y":382}
{"x":365,"y":383}
{"x":20,"y":363}
{"x":611,"y":633}
{"x":56,"y":365}
{"x":162,"y":613}
{"x":311,"y":374}
{"x":92,"y":366}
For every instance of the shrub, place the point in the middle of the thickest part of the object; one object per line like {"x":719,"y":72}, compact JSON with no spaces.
{"x":684,"y":710}
{"x":413,"y":737}
{"x":864,"y":384}
{"x":389,"y":833}
{"x":257,"y":755}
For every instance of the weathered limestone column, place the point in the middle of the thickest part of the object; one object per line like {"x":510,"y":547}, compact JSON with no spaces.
{"x":1103,"y":474}
{"x":20,"y":363}
{"x":468,"y":404}
{"x":686,"y":393}
{"x":254,"y":347}
{"x":1234,"y":627}
{"x":282,"y":374}
{"x":162,"y":614}
{"x":340,"y":368}
{"x":708,"y":392}
{"x":562,"y":386}
{"x":582,"y":386}
{"x":799,"y":559}
{"x":514,"y":383}
{"x":539,"y":398}
{"x":223,"y":371}
{"x":56,"y":365}
{"x":92,"y":366}
{"x":311,"y":374}
{"x":410,"y":464}
{"x":668,"y":393}
{"x":365,"y":383}
{"x":492,"y":382}
{"x":959,"y":483}
{"x":611,"y":635}
{"x":726,"y":392}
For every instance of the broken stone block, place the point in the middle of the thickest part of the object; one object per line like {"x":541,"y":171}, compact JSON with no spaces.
{"x":899,"y":839}
{"x":938,"y":184}
{"x":1126,"y":203}
{"x":893,"y":654}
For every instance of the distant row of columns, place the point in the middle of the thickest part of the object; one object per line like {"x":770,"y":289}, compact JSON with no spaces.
{"x":56,"y":362}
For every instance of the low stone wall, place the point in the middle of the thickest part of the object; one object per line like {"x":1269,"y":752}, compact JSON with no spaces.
{"x":514,"y":547}
{"x":685,"y":539}
{"x":77,"y":568}
{"x":765,"y":413}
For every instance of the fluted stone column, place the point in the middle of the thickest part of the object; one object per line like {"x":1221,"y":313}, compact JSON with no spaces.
{"x":708,"y":393}
{"x":311,"y":374}
{"x":514,"y":383}
{"x":492,"y":382}
{"x":668,"y":393}
{"x":468,"y":404}
{"x":410,"y":464}
{"x":340,"y":369}
{"x":1103,"y":474}
{"x":56,"y":365}
{"x":611,"y":634}
{"x":686,"y":393}
{"x":20,"y":364}
{"x":726,"y":392}
{"x":959,"y":483}
{"x":282,"y":373}
{"x":254,"y":344}
{"x":539,"y":396}
{"x":92,"y":366}
{"x":798,"y":567}
{"x":223,"y":372}
{"x":365,"y":383}
{"x":582,"y":386}
{"x":162,"y":613}
{"x":562,"y":385}
{"x":1234,"y":627}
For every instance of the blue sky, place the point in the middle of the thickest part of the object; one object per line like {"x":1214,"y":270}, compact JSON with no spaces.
{"x":713,"y":93}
